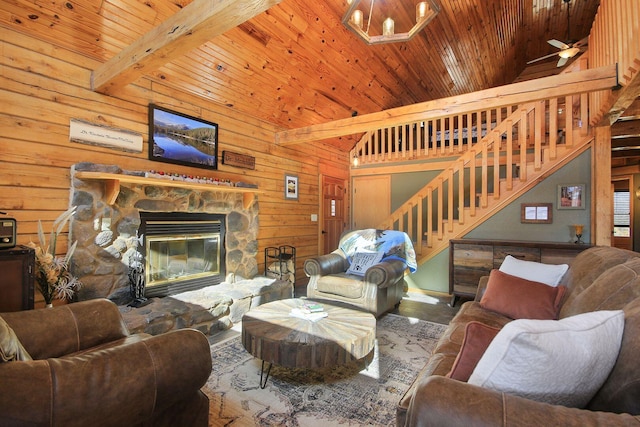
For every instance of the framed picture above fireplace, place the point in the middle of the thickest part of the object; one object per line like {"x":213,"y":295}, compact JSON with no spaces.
{"x":182,"y":139}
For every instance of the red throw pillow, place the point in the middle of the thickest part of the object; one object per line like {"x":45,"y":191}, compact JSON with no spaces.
{"x":519,"y":298}
{"x":477,"y":337}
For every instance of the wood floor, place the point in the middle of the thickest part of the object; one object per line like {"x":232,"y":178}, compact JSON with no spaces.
{"x":438,"y":310}
{"x":420,"y":306}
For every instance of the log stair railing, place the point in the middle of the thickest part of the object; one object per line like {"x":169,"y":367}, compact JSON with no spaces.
{"x":515,"y":154}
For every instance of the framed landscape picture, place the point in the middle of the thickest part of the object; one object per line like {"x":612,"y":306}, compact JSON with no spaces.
{"x":291,"y":187}
{"x":571,"y":196}
{"x":181,"y":139}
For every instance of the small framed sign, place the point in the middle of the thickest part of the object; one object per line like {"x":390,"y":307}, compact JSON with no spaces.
{"x":536,"y":213}
{"x":238,"y":160}
{"x":291,"y":187}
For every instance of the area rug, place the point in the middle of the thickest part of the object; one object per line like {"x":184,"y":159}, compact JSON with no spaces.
{"x":350,"y":395}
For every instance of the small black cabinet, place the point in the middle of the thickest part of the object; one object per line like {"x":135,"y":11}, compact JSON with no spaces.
{"x":17,"y":281}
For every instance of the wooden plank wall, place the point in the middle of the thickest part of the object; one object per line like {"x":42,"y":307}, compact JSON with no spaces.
{"x":42,"y":87}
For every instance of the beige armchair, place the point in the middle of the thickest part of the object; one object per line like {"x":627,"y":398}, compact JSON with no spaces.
{"x":77,"y":365}
{"x":380,"y":288}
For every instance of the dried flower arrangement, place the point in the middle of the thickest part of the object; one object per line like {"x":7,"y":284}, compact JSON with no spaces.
{"x":52,"y":272}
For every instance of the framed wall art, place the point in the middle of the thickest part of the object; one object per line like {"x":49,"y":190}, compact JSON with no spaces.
{"x":181,"y":139}
{"x":571,"y":196}
{"x":291,"y":190}
{"x":536,"y":213}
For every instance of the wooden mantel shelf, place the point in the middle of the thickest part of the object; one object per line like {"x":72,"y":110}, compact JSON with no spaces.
{"x":113,"y":180}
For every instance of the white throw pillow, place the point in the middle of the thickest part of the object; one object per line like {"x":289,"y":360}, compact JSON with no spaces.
{"x":562,"y":362}
{"x":549,"y":274}
{"x":361,"y":261}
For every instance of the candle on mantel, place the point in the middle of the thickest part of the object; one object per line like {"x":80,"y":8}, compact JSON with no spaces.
{"x":579,"y":228}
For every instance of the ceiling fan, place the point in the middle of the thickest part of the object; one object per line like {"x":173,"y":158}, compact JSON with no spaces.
{"x":567,"y":50}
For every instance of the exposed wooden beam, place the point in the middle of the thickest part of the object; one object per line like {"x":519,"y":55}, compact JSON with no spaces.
{"x":621,"y":100}
{"x":601,"y":192}
{"x":633,"y":112}
{"x":548,"y":87}
{"x":625,"y":129}
{"x":619,"y":144}
{"x":192,"y":26}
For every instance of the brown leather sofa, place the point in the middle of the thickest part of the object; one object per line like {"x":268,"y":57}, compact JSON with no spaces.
{"x":600,"y":278}
{"x":87,"y":370}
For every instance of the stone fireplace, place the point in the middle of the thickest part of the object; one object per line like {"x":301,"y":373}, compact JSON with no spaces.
{"x":107,"y":226}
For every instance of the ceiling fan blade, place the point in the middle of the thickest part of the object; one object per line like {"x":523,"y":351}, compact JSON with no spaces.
{"x":562,"y":61}
{"x":581,"y":43}
{"x":542,"y":57}
{"x":558,"y":44}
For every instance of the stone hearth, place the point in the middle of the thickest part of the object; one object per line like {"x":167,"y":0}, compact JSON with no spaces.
{"x":107,"y":234}
{"x":210,"y":310}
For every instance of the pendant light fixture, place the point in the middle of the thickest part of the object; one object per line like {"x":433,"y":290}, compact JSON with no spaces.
{"x":355,"y":17}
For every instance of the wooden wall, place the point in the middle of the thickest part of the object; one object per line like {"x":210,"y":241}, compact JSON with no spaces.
{"x":43,"y":87}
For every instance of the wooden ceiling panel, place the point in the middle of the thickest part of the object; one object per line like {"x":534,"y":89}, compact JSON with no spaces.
{"x":296,"y":65}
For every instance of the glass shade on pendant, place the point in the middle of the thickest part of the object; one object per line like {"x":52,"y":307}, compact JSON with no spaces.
{"x":388,"y":27}
{"x":356,"y":14}
{"x":357,"y":18}
{"x":421,"y":10}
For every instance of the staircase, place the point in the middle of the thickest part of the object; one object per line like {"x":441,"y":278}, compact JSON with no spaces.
{"x":493,"y":157}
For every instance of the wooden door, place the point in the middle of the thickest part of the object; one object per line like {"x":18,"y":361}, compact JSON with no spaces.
{"x":333,"y":211}
{"x":371,"y":200}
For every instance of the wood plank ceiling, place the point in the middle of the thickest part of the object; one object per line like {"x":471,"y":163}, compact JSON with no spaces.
{"x":296,"y":65}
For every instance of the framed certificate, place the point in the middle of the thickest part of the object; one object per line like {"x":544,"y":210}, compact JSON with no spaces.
{"x":536,"y":213}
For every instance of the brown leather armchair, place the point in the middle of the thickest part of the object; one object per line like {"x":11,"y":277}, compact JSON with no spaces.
{"x":379,"y":290}
{"x":88,"y":370}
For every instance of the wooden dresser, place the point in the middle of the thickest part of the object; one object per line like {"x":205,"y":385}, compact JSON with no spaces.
{"x":470,"y":259}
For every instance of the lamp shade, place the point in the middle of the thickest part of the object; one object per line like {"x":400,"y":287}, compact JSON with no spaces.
{"x":388,"y":27}
{"x":356,"y":18}
{"x":421,"y":10}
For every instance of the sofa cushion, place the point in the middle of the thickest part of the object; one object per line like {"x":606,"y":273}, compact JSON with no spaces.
{"x":612,"y":290}
{"x":549,"y":274}
{"x":477,"y":337}
{"x":10,"y":347}
{"x":562,"y":362}
{"x":519,"y":298}
{"x":345,"y":285}
{"x":586,"y":267}
{"x":621,"y":392}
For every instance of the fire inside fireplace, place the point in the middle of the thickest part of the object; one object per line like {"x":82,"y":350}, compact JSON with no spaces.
{"x":182,"y":251}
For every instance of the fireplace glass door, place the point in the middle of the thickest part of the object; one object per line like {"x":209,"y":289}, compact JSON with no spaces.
{"x":182,"y":255}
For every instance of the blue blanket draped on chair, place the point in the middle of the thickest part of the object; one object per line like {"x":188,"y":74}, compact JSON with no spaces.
{"x":393,"y":244}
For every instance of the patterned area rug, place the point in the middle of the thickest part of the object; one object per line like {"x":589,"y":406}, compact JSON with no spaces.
{"x":342,"y":396}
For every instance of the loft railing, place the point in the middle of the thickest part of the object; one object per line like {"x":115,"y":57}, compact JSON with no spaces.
{"x":448,"y":136}
{"x":422,"y":140}
{"x":511,"y":155}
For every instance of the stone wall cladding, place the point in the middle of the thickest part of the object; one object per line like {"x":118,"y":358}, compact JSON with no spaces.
{"x":108,"y":235}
